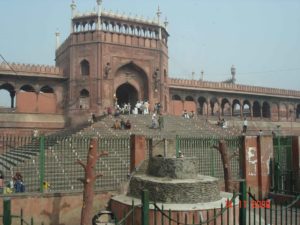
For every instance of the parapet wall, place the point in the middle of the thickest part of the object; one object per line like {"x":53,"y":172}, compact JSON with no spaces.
{"x":30,"y":68}
{"x":232,"y":87}
{"x":53,"y":208}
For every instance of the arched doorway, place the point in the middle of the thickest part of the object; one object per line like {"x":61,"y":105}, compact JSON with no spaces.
{"x":84,"y":100}
{"x":131,"y":84}
{"x":125,"y":94}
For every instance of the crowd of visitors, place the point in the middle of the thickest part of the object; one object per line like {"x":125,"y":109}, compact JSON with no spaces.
{"x":222,"y":123}
{"x":15,"y":185}
{"x":157,"y":121}
{"x":187,"y":115}
{"x":141,"y":107}
{"x":122,"y":125}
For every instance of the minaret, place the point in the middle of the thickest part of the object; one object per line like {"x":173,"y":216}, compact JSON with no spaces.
{"x":57,"y":35}
{"x":233,"y":70}
{"x":73,"y":9}
{"x":158,"y":13}
{"x":202,"y":75}
{"x":99,"y":12}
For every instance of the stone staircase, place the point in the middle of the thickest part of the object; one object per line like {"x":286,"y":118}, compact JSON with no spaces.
{"x":173,"y":125}
{"x":63,"y":151}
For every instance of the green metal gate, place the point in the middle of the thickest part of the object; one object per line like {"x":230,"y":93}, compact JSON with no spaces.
{"x":210,"y":162}
{"x":283,"y":172}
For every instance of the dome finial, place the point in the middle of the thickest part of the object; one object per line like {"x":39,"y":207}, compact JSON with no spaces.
{"x":158,"y":13}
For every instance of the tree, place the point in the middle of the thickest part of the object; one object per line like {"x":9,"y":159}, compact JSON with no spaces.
{"x":226,"y":159}
{"x":89,"y":180}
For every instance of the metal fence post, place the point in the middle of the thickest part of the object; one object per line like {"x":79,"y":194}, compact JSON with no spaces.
{"x":6,"y":211}
{"x":42,"y":162}
{"x":145,"y":207}
{"x":177,"y":146}
{"x":21,"y":217}
{"x":243,"y":201}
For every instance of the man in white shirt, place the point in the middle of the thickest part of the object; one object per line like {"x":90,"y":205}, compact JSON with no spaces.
{"x":245,"y":125}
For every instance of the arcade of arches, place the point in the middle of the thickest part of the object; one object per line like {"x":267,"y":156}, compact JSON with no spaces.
{"x":207,"y":105}
{"x":43,"y":100}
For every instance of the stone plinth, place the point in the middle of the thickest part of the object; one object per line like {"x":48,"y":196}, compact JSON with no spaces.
{"x":176,"y":168}
{"x":185,"y":213}
{"x":167,"y":190}
{"x":174,"y":180}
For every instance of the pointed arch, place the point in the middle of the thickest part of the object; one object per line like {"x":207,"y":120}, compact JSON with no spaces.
{"x":126,"y":93}
{"x":27,"y":88}
{"x":202,"y":110}
{"x":176,"y":97}
{"x":214,"y":105}
{"x":236,"y":108}
{"x":283,"y":110}
{"x":47,"y":89}
{"x":256,"y":109}
{"x":7,"y":95}
{"x":275,"y":111}
{"x":298,"y":111}
{"x":84,"y":99}
{"x":189,"y":98}
{"x":85,"y":67}
{"x":84,"y":93}
{"x":246,"y":109}
{"x":266,"y":111}
{"x":225,"y":107}
{"x":136,"y":76}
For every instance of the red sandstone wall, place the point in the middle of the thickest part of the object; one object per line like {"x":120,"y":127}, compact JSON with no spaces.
{"x":46,"y":103}
{"x":26,"y":102}
{"x":138,"y":151}
{"x":258,"y":153}
{"x":266,"y":154}
{"x":193,"y":216}
{"x":53,"y":208}
{"x":176,"y":107}
{"x":189,"y":106}
{"x":251,"y":173}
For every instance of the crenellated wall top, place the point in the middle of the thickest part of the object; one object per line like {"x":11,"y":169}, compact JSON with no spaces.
{"x":30,"y":68}
{"x":232,"y":87}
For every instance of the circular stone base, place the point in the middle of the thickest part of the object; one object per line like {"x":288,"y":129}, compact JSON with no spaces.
{"x":167,"y":190}
{"x":177,"y":168}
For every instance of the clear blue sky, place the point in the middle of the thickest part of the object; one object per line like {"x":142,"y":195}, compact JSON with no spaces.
{"x":260,"y":37}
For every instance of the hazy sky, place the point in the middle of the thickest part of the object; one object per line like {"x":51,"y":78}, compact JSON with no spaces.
{"x":260,"y":37}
